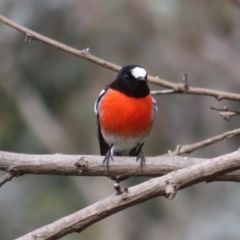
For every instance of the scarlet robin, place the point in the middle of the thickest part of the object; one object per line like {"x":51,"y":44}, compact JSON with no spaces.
{"x":125,"y":113}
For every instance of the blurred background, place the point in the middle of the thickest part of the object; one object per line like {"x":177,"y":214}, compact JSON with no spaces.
{"x":47,"y":98}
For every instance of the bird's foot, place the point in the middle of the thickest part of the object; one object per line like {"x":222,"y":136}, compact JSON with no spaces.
{"x":142,"y":159}
{"x":107,"y":158}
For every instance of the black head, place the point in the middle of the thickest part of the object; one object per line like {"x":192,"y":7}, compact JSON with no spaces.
{"x":132,"y":81}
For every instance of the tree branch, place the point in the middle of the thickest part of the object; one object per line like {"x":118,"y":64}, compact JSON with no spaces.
{"x":179,"y":88}
{"x":85,"y":54}
{"x":86,"y":165}
{"x":162,"y":186}
{"x":7,"y":177}
{"x":192,"y":147}
{"x":226,"y":113}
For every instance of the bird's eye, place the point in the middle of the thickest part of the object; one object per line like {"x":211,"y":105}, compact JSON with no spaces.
{"x":126,"y":77}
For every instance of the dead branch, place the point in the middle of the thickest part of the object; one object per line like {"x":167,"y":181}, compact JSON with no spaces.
{"x":167,"y":185}
{"x":181,"y":149}
{"x":85,"y":54}
{"x":7,"y":177}
{"x":226,"y":113}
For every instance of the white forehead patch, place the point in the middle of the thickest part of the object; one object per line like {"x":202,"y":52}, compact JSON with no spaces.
{"x":139,"y":72}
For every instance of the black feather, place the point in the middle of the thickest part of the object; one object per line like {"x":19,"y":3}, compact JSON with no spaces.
{"x":130,"y":86}
{"x":104,"y":147}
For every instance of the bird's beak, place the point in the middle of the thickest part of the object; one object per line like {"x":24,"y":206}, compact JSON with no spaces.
{"x":142,"y":79}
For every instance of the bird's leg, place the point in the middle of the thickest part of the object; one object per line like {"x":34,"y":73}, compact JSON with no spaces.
{"x":107,"y":157}
{"x":141,"y":156}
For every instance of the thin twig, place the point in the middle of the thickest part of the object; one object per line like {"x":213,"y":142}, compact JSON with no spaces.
{"x":167,"y":185}
{"x":192,"y":147}
{"x":85,"y":54}
{"x":164,"y":92}
{"x":226,"y":113}
{"x":185,"y":81}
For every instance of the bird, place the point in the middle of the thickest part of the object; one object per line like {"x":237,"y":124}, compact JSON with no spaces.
{"x":125,"y":113}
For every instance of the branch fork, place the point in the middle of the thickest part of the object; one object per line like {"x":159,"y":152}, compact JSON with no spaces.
{"x":184,"y":86}
{"x":226,"y":113}
{"x":7,"y":177}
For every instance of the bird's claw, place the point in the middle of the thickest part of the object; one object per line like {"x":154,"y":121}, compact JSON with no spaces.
{"x":107,"y":158}
{"x":142,"y":159}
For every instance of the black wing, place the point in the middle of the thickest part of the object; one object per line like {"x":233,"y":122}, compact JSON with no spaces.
{"x":104,"y":147}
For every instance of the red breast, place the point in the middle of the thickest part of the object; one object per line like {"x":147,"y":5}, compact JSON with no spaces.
{"x":125,"y":116}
